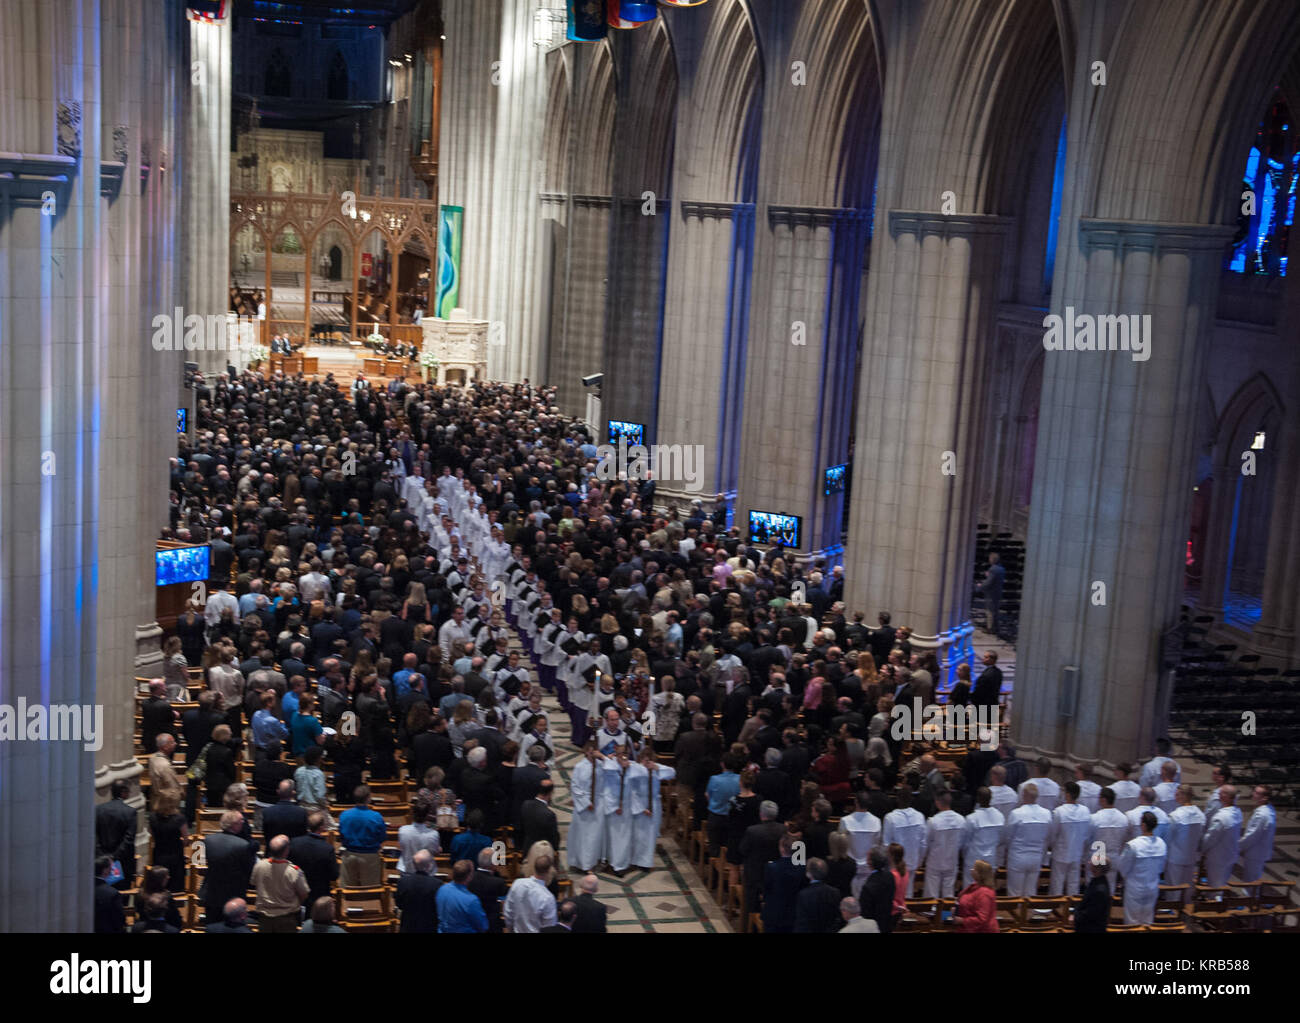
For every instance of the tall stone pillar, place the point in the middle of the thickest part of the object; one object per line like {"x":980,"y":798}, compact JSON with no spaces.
{"x":581,"y":344}
{"x":706,"y":312}
{"x":1218,"y":535}
{"x":1112,"y":492}
{"x":207,"y":173}
{"x":82,"y":229}
{"x":800,"y":367}
{"x":931,"y":313}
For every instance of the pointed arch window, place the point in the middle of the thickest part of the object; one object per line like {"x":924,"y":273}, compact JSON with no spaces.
{"x":1268,"y":196}
{"x":278,"y":79}
{"x":336,"y":79}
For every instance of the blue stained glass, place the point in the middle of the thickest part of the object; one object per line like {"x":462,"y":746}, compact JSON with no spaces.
{"x":1272,"y":169}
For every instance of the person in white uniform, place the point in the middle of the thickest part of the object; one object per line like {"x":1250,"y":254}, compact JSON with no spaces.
{"x":1183,"y":840}
{"x":1222,"y":841}
{"x":586,"y":839}
{"x":906,"y":826}
{"x":1089,"y":790}
{"x":1110,"y":828}
{"x":1147,"y":802}
{"x":983,"y":838}
{"x":615,"y":802}
{"x":1219,"y":777}
{"x":1004,"y":798}
{"x":1141,"y":864}
{"x":864,"y":830}
{"x":1068,"y":840}
{"x":1167,"y":790}
{"x":1151,"y":770}
{"x":1025,"y":838}
{"x":1049,"y":793}
{"x":944,"y":833}
{"x":1126,"y":792}
{"x":647,"y":807}
{"x":1256,"y":847}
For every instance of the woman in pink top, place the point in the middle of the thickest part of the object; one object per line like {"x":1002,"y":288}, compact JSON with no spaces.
{"x":902,"y":879}
{"x":977,"y":905}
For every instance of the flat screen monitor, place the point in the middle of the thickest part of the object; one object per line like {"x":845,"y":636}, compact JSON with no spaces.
{"x":182,"y":565}
{"x":634,"y":432}
{"x":835,"y":479}
{"x":182,"y":420}
{"x":774,"y":528}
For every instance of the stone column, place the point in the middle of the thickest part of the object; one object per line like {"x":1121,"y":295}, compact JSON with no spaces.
{"x":1218,"y":536}
{"x":581,"y":343}
{"x":706,"y":311}
{"x":1112,"y":493}
{"x":81,"y":242}
{"x":930,"y":321}
{"x":800,"y":367}
{"x":207,"y":174}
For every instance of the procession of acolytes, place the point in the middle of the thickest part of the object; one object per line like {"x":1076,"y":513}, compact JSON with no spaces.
{"x":616,"y":787}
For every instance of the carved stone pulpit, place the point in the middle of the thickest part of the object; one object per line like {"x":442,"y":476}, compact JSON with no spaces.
{"x":461,"y":347}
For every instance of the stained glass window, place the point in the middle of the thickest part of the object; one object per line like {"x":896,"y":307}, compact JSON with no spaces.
{"x":1267,"y":205}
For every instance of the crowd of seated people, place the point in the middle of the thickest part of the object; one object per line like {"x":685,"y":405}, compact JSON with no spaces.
{"x":346,"y":630}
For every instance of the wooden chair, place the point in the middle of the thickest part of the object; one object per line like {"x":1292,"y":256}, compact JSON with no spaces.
{"x":1048,"y":908}
{"x":365,"y":906}
{"x":1010,"y":912}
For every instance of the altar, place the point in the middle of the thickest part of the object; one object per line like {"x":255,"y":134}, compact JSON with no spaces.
{"x":460,"y":346}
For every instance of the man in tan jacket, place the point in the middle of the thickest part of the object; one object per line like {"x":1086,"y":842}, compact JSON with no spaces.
{"x":162,"y":776}
{"x":281,"y":888}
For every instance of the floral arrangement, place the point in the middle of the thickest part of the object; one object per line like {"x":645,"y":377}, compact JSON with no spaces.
{"x":258,"y":353}
{"x":428,"y":360}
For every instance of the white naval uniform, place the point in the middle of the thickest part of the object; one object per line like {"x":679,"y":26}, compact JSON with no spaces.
{"x":1150,"y":776}
{"x":944,"y":833}
{"x":1135,"y":821}
{"x":1111,"y":827}
{"x":1127,"y":794}
{"x":1221,"y":845}
{"x":1183,"y":842}
{"x":586,"y":838}
{"x":864,"y":831}
{"x":907,"y":828}
{"x":1025,"y":837}
{"x":1141,"y":863}
{"x":983,"y":839}
{"x":1256,"y":845}
{"x":1167,"y":796}
{"x":1068,"y":839}
{"x":1090,"y":795}
{"x":1049,"y":792}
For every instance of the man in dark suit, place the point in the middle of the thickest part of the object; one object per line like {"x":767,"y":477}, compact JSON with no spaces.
{"x":157,"y":716}
{"x":432,"y":748}
{"x":877,"y":895}
{"x":759,"y":846}
{"x":527,"y":780}
{"x":110,"y":911}
{"x":1093,"y":912}
{"x":315,"y":855}
{"x":234,"y":919}
{"x":989,"y":684}
{"x":735,"y":709}
{"x":882,"y":639}
{"x":783,"y":880}
{"x":230,"y":861}
{"x":774,"y":784}
{"x":490,"y":888}
{"x":115,"y":824}
{"x":817,"y":907}
{"x":284,"y":817}
{"x":566,"y":915}
{"x":537,"y":820}
{"x":479,"y":787}
{"x":694,"y":751}
{"x":591,"y":914}
{"x":417,"y":896}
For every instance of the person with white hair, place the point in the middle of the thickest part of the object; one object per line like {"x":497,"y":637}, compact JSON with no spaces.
{"x":1221,"y":843}
{"x":1183,"y":840}
{"x":617,"y":804}
{"x":1025,"y":837}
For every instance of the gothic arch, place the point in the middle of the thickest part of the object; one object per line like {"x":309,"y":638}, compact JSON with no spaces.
{"x":648,"y":102}
{"x":593,"y":168}
{"x":555,"y":163}
{"x":720,"y":118}
{"x":1255,"y":402}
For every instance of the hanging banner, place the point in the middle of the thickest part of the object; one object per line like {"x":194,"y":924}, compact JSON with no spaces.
{"x":637,"y":12}
{"x":366,"y":261}
{"x":451,"y":222}
{"x":616,"y":18}
{"x":586,"y":21}
{"x":683,"y":3}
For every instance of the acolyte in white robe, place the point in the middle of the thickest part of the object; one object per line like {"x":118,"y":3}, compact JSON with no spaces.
{"x":618,"y":826}
{"x":586,"y":840}
{"x":647,"y":795}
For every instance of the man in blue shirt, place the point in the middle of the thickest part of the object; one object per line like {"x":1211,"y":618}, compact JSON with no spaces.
{"x":401,"y":679}
{"x":363,"y":831}
{"x":447,"y":705}
{"x":459,"y":909}
{"x":720,"y":789}
{"x":268,"y":728}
